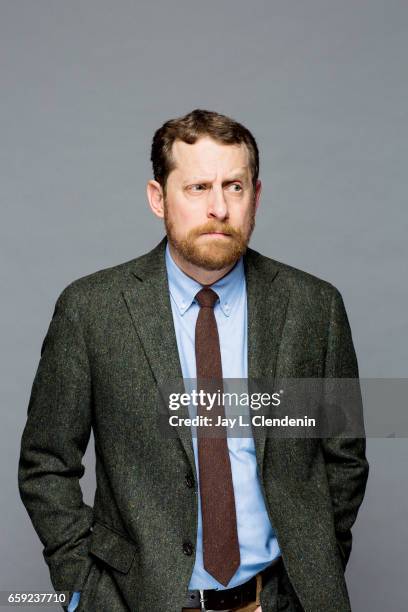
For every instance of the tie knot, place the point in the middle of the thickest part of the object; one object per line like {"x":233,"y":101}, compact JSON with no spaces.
{"x":206,"y":297}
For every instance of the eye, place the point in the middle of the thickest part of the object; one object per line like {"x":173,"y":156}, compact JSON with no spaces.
{"x":236,"y":185}
{"x":192,"y":187}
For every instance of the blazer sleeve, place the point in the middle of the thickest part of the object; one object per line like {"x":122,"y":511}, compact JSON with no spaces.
{"x":345,"y":458}
{"x":53,"y":442}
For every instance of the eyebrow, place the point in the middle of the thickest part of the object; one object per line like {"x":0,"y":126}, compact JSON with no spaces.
{"x":201,"y":179}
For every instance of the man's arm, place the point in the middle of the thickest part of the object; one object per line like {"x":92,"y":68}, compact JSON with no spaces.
{"x":54,"y":440}
{"x":346,"y":464}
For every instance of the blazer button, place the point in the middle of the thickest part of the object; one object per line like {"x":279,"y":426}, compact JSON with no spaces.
{"x":188,"y":548}
{"x":189,"y":481}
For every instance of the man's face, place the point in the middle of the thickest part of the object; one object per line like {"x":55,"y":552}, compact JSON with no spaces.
{"x":210,"y":204}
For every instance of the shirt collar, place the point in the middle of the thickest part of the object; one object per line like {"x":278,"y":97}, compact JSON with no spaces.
{"x":183,"y":288}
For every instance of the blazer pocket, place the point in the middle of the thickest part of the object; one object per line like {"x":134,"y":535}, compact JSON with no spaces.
{"x":111,"y":547}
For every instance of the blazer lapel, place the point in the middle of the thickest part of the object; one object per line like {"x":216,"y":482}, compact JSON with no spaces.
{"x":267,"y":300}
{"x":148,"y":301}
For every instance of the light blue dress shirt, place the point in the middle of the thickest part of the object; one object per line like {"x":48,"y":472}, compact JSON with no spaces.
{"x":73,"y":604}
{"x":257,"y":540}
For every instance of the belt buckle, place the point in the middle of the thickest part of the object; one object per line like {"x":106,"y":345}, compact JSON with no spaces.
{"x":202,"y":603}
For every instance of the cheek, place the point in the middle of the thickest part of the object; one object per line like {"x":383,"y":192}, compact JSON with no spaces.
{"x":185,"y":217}
{"x":193,"y":212}
{"x":240,"y":217}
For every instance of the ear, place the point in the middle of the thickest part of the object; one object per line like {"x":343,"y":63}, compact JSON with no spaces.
{"x":155,"y":197}
{"x":258,"y":190}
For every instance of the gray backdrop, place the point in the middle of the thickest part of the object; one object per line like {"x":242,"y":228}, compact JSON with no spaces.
{"x":323,"y":86}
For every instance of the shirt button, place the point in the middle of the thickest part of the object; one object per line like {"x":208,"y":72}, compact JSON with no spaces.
{"x":189,"y":481}
{"x":188,"y":548}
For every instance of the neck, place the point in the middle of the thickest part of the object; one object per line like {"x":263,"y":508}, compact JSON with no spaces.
{"x":202,"y":276}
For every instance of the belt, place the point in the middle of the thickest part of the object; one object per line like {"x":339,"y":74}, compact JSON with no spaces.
{"x":224,"y":599}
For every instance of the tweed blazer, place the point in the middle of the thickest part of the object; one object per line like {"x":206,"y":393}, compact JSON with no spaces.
{"x":110,"y":343}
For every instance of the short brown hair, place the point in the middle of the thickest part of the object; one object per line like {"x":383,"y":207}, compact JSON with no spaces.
{"x":192,"y":126}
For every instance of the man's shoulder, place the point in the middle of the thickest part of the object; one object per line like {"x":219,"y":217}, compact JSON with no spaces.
{"x":293,"y":278}
{"x":101,"y":285}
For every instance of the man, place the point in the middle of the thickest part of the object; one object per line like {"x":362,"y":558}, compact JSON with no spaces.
{"x":189,"y":522}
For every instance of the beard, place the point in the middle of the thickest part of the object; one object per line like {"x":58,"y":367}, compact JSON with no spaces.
{"x":210,"y":253}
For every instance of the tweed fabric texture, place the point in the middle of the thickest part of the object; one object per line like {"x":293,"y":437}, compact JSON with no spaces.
{"x":110,"y":342}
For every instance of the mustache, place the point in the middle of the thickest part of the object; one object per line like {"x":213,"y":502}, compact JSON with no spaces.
{"x":212,"y":226}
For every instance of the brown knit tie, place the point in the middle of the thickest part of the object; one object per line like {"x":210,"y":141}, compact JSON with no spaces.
{"x":220,"y":538}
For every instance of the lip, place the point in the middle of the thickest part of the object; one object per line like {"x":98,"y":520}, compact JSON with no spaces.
{"x":216,"y":234}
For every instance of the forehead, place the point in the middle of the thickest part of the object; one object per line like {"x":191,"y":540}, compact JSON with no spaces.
{"x":207,"y":156}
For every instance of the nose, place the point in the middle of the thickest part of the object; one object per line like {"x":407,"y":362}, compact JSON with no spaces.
{"x":217,"y":206}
